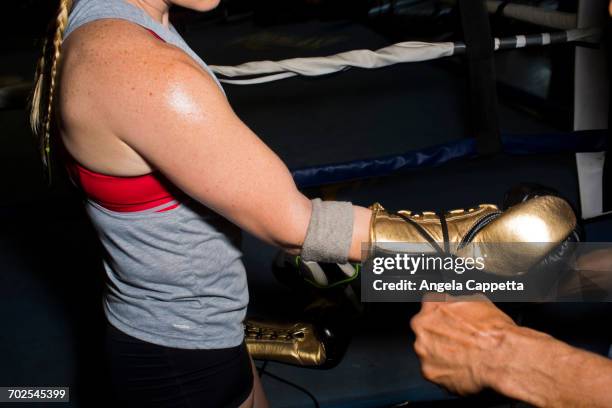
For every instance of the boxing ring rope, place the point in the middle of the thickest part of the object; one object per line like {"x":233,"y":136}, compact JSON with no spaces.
{"x":434,"y":156}
{"x":259,"y":72}
{"x":534,"y":15}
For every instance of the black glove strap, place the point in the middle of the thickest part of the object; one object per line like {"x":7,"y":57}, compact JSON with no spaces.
{"x":444,"y":225}
{"x":428,"y":237}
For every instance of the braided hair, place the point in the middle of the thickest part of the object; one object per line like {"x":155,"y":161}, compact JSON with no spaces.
{"x":41,"y":112}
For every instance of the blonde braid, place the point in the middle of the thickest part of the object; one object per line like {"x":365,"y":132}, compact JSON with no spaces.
{"x":41,"y":115}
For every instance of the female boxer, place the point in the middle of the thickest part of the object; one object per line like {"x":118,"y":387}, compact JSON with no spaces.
{"x":169,"y":171}
{"x":170,"y":174}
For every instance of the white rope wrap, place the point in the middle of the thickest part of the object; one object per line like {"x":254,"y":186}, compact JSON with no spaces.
{"x":412,"y":51}
{"x":404,"y":52}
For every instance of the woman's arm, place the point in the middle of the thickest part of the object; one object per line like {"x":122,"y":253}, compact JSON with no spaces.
{"x":168,"y":110}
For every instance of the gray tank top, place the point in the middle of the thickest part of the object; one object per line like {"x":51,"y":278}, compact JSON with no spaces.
{"x":174,"y":278}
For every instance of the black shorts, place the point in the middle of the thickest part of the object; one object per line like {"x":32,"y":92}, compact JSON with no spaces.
{"x":148,"y":375}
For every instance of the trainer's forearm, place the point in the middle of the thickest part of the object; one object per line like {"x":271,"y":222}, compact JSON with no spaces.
{"x":546,"y":372}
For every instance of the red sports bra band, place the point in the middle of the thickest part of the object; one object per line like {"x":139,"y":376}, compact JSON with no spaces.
{"x":122,"y":194}
{"x":154,"y":34}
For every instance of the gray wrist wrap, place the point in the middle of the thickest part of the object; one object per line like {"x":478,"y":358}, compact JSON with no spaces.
{"x":330,"y":232}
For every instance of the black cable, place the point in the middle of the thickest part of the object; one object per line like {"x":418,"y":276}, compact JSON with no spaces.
{"x":289,"y":383}
{"x":263,"y":368}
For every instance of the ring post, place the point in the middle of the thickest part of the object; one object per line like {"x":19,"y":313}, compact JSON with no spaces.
{"x":482,"y":85}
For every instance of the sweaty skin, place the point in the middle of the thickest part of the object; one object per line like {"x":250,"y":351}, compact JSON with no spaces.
{"x":129,"y":103}
{"x":467,"y":345}
{"x":152,"y":107}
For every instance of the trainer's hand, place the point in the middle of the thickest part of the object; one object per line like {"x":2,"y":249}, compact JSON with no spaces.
{"x":457,"y":339}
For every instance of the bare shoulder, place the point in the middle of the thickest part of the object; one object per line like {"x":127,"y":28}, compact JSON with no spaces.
{"x":116,"y":49}
{"x":126,"y":74}
{"x":103,"y":39}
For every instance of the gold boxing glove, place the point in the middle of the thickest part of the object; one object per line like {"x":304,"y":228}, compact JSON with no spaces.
{"x":291,"y":343}
{"x":513,"y":240}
